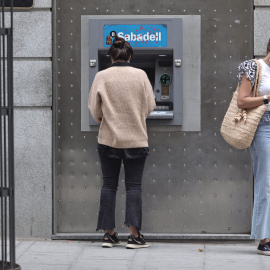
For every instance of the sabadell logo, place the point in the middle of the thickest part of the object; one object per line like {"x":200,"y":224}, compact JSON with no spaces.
{"x":151,"y":35}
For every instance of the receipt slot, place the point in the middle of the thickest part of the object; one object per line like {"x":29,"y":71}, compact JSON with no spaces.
{"x":157,"y":45}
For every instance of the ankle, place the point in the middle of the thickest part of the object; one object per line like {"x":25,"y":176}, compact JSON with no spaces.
{"x":134,"y":231}
{"x":264,"y":241}
{"x":110,"y":232}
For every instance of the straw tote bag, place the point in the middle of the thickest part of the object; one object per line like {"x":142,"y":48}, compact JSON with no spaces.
{"x":239,"y":125}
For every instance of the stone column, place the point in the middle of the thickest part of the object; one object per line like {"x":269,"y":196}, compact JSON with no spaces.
{"x":261,"y":26}
{"x":33,"y":119}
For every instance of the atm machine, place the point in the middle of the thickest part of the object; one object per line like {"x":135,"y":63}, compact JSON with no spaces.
{"x":157,"y":45}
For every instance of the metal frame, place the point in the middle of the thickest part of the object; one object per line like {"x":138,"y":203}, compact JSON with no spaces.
{"x":54,"y":114}
{"x":195,"y":184}
{"x":191,"y":95}
{"x":7,"y":143}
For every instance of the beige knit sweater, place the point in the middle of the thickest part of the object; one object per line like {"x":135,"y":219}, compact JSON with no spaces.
{"x":121,"y":98}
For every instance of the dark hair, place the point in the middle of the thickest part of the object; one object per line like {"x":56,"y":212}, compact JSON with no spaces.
{"x":120,"y":49}
{"x":268,"y":46}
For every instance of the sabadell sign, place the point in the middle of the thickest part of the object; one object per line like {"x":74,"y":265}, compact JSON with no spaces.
{"x":137,"y":35}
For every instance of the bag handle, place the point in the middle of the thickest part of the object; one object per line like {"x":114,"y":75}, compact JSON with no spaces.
{"x":242,"y":113}
{"x":258,"y":78}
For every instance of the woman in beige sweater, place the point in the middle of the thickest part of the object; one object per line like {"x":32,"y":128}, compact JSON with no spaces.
{"x":120,"y":99}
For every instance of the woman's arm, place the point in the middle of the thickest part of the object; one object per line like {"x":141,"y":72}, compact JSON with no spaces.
{"x":94,"y":102}
{"x":151,"y":104}
{"x":245,"y":101}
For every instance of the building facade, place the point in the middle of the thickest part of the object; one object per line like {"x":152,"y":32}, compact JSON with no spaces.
{"x":195,"y":185}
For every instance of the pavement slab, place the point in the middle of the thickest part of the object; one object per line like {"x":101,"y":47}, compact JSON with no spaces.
{"x":89,"y":255}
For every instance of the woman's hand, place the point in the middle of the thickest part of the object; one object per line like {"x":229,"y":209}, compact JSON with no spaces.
{"x":245,"y":101}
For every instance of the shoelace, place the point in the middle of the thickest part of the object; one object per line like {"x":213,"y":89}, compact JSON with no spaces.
{"x":114,"y":237}
{"x":141,"y":236}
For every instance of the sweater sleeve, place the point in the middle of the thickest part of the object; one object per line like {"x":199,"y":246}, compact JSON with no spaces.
{"x":150,"y":100}
{"x":95,"y":101}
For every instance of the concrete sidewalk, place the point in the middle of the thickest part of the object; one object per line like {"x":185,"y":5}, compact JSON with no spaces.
{"x":76,"y":255}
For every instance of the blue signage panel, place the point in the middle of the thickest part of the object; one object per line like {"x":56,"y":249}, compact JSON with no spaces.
{"x":137,"y":35}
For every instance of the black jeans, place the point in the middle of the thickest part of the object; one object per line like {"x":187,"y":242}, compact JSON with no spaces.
{"x":110,"y":167}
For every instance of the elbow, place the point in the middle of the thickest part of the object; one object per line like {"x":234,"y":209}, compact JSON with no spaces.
{"x":96,"y":118}
{"x":240,"y":104}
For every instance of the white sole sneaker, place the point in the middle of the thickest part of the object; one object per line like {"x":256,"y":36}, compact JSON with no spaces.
{"x":267,"y":253}
{"x":134,"y":246}
{"x":110,"y":245}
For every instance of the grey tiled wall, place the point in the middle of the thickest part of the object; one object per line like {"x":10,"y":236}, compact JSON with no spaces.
{"x":33,"y":120}
{"x":32,"y":34}
{"x":262,"y":2}
{"x":261,"y":26}
{"x":43,"y":3}
{"x":33,"y":83}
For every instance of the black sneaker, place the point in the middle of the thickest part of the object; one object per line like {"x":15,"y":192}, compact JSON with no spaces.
{"x":264,"y":249}
{"x":136,"y":242}
{"x":111,"y":240}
